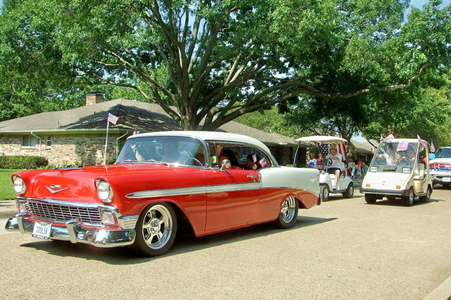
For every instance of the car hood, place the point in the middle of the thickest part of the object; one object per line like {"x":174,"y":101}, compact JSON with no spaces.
{"x":79,"y":184}
{"x":440,"y":161}
{"x":377,"y":179}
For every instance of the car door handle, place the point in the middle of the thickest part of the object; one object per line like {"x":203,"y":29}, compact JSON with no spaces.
{"x":253,"y":177}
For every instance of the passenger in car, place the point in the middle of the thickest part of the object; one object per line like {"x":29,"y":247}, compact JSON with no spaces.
{"x":252,"y":162}
{"x":228,"y":154}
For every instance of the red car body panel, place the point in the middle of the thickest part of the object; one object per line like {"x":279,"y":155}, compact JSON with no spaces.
{"x":208,"y":212}
{"x":138,"y":200}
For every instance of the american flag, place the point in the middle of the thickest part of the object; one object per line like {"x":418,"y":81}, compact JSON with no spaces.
{"x":324,"y":148}
{"x":112,"y":118}
{"x":263,"y":162}
{"x":432,"y":146}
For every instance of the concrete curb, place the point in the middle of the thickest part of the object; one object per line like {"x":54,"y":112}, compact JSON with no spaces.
{"x":442,"y":292}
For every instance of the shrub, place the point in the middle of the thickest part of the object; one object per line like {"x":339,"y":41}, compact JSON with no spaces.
{"x":22,"y":162}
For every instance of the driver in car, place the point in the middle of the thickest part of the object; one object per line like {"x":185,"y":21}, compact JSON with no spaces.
{"x":409,"y":158}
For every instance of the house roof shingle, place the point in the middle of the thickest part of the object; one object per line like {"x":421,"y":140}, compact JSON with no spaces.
{"x":133,"y":115}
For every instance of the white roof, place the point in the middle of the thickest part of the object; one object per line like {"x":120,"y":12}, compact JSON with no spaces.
{"x":209,"y":136}
{"x":405,"y":140}
{"x":321,"y":138}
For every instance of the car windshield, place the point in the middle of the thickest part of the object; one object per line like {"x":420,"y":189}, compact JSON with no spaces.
{"x":182,"y":150}
{"x":443,"y":153}
{"x":395,"y":153}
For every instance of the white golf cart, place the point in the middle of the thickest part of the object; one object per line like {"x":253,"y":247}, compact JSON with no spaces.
{"x":399,"y":170}
{"x":345,"y":185}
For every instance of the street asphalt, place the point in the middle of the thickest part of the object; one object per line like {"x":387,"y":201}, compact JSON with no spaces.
{"x":442,"y":292}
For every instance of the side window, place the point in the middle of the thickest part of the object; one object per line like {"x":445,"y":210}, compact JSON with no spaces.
{"x":29,"y":141}
{"x":241,"y":156}
{"x":256,"y":159}
{"x":48,"y":141}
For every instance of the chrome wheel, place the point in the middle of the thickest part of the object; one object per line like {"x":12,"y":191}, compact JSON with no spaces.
{"x":288,"y":212}
{"x":156,"y":229}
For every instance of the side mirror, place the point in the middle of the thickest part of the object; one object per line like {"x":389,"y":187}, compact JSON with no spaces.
{"x":225,"y":164}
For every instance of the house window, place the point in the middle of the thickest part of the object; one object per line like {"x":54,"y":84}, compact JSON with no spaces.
{"x":29,"y":141}
{"x":48,"y":141}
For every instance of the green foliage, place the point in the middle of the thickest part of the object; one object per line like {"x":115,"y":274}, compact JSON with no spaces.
{"x":217,"y":60}
{"x":271,"y":121}
{"x":343,"y":61}
{"x":22,"y":162}
{"x":6,"y":186}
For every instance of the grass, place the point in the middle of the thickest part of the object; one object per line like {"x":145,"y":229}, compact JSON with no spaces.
{"x":6,"y":187}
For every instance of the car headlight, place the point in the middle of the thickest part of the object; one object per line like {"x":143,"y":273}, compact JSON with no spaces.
{"x":104,"y":191}
{"x":406,"y":170}
{"x":19,"y":185}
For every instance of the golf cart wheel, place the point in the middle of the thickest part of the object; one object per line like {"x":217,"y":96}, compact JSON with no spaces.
{"x":426,"y":197}
{"x":349,"y":191}
{"x":370,"y":199}
{"x":324,"y":192}
{"x":408,"y":200}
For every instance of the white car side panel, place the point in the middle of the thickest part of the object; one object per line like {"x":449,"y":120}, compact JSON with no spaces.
{"x":300,"y":178}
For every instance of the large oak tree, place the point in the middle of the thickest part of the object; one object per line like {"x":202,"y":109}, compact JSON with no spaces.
{"x":212,"y":61}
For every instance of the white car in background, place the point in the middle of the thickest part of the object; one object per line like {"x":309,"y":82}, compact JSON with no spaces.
{"x":441,"y":166}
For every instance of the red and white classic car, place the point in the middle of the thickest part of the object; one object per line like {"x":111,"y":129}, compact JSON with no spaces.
{"x":216,"y":181}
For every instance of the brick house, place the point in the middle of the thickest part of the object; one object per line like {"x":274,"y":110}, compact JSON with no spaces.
{"x":77,"y":136}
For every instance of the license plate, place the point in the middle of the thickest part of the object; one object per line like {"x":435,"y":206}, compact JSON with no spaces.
{"x":42,"y":230}
{"x":446,"y":179}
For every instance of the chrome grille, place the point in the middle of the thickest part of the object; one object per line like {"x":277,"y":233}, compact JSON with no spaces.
{"x":64,"y":213}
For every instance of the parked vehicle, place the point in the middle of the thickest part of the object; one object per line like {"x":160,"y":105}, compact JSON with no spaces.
{"x":214,"y":181}
{"x":399,"y":170}
{"x":345,"y":185}
{"x":441,"y":166}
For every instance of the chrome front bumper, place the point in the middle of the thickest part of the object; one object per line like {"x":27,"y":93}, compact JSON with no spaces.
{"x":76,"y":233}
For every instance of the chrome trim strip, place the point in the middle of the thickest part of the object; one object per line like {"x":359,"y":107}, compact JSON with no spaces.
{"x":205,"y":190}
{"x":167,"y":192}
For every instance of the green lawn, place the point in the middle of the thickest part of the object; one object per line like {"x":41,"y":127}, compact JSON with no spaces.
{"x":6,"y":187}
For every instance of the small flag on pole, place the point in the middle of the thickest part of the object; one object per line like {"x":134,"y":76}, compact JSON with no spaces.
{"x":432,"y":146}
{"x":112,"y":118}
{"x":423,"y":143}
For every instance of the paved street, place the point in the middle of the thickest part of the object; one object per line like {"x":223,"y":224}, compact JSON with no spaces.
{"x":343,"y":249}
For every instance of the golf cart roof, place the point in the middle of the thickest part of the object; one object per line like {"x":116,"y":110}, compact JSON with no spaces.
{"x":322,"y":139}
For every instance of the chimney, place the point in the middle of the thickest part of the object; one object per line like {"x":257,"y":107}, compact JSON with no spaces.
{"x":92,"y":99}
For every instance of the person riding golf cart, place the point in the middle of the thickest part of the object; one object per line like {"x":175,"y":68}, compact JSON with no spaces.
{"x":398,"y":170}
{"x":334,"y":177}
